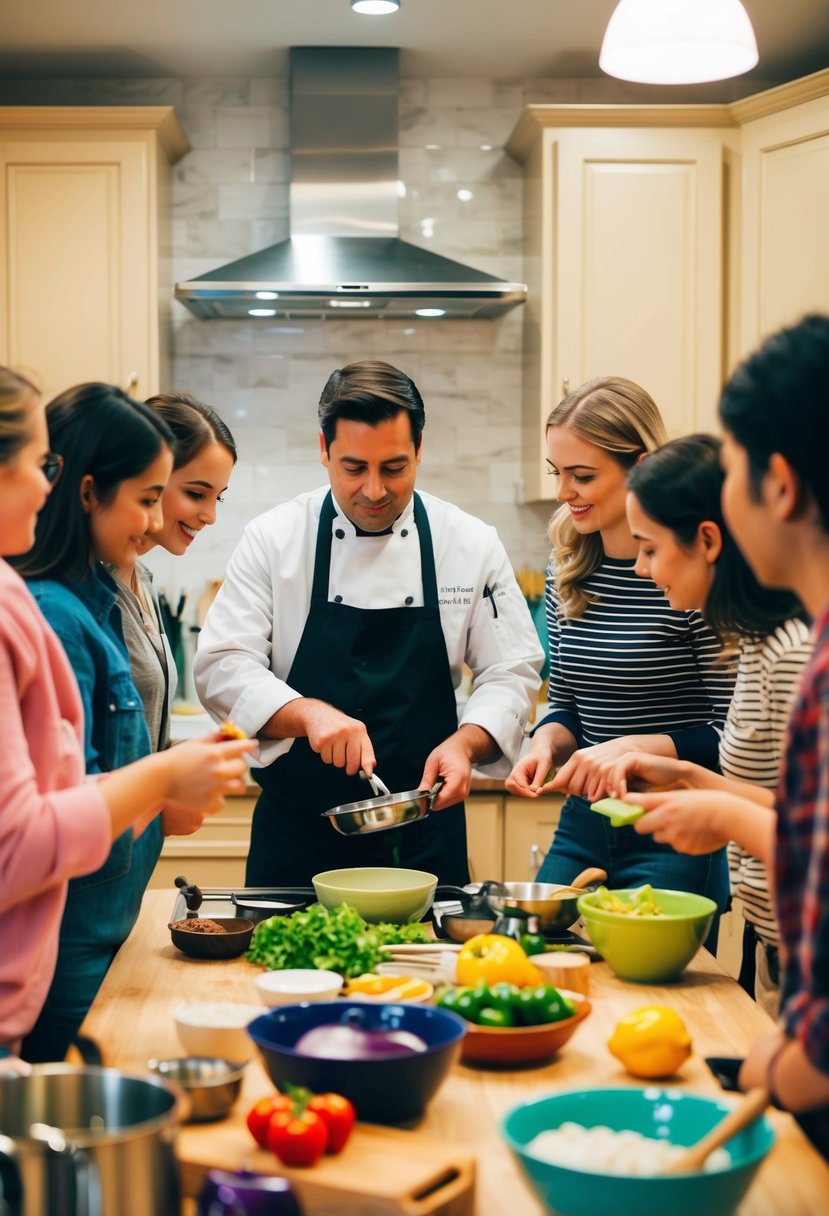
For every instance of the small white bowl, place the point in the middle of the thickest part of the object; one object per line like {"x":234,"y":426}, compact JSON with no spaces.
{"x":293,"y":985}
{"x":216,"y":1028}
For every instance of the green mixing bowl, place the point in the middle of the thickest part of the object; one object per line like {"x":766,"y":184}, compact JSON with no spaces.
{"x":379,"y":893}
{"x":671,"y":1114}
{"x":649,"y":949}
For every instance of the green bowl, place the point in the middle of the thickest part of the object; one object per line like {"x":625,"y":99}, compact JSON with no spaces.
{"x":649,"y":949}
{"x":680,"y":1117}
{"x":379,"y":893}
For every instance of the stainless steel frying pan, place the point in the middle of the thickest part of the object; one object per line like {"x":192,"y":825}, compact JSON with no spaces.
{"x":383,"y":812}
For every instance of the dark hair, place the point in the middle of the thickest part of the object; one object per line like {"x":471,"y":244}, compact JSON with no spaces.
{"x":194,"y":425}
{"x":17,"y":395}
{"x":778,"y":401}
{"x":370,"y":391}
{"x":101,"y":431}
{"x":679,"y":486}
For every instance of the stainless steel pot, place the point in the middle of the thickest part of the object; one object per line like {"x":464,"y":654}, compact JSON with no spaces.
{"x":88,"y":1141}
{"x":554,"y":905}
{"x":384,"y":812}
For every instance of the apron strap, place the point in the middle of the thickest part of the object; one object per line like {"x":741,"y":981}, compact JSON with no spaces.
{"x":322,"y":556}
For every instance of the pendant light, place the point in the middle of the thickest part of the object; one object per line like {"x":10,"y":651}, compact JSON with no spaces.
{"x":375,"y":8}
{"x":678,"y":41}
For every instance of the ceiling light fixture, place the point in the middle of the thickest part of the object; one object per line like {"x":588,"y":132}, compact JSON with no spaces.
{"x":375,"y":8}
{"x":678,"y":41}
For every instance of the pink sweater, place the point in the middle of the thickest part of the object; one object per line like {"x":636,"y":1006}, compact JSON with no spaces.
{"x":53,"y":823}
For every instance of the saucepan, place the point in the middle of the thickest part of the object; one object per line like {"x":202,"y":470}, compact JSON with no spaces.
{"x":382,"y":812}
{"x":554,"y":905}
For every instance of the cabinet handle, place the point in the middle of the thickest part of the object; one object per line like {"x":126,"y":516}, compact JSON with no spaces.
{"x":132,"y":382}
{"x":535,"y":857}
{"x":565,"y":385}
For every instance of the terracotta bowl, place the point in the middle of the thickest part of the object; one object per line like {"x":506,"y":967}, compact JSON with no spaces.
{"x":521,"y":1044}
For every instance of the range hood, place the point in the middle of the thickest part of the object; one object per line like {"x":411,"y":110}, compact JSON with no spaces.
{"x":344,"y":257}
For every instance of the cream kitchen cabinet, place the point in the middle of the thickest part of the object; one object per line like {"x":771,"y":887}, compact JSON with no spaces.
{"x":85,"y":268}
{"x":785,"y":235}
{"x":625,"y":218}
{"x":529,"y":825}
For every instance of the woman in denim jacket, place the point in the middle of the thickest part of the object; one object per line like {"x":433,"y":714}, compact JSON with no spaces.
{"x":117,"y":460}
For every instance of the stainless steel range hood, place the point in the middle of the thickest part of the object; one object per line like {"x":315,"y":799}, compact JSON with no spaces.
{"x":344,"y":257}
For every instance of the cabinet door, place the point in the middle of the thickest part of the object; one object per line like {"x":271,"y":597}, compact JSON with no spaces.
{"x":484,"y":834}
{"x":635,"y":229}
{"x":529,"y":825}
{"x":785,"y":246}
{"x":78,"y":262}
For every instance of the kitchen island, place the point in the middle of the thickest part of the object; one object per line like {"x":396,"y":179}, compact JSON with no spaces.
{"x":132,"y":1021}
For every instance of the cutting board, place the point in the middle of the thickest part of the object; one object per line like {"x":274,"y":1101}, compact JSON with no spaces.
{"x":382,"y":1171}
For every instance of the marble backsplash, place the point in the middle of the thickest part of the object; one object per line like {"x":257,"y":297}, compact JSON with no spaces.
{"x":230,"y":198}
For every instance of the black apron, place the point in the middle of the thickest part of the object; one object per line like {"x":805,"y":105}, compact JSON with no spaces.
{"x":387,"y":667}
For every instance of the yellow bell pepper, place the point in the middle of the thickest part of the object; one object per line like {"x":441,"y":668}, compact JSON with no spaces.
{"x":492,"y":958}
{"x":651,"y":1042}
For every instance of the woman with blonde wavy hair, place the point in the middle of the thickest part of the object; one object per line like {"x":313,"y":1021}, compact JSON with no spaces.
{"x":626,"y":671}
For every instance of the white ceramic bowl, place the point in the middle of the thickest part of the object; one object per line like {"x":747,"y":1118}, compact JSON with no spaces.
{"x":216,"y":1028}
{"x":293,"y":985}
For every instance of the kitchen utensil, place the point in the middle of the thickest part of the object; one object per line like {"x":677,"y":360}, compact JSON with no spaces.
{"x":241,"y":1193}
{"x":376,"y":784}
{"x":649,"y":949}
{"x":379,"y":893}
{"x":192,"y":894}
{"x":436,"y":963}
{"x":230,"y":944}
{"x":80,"y":1140}
{"x":260,"y":904}
{"x":571,"y":1190}
{"x":542,"y":899}
{"x":511,"y":1045}
{"x":383,"y":812}
{"x":475,"y":915}
{"x":211,"y":1086}
{"x":390,"y":1089}
{"x":749,"y":1108}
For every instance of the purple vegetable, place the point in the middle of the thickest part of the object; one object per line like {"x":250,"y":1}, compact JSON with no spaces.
{"x":344,"y":1042}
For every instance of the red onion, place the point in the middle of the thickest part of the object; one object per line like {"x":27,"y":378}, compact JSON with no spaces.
{"x":343,"y":1042}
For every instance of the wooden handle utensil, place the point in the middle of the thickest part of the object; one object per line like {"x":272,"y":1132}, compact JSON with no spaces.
{"x":749,"y":1108}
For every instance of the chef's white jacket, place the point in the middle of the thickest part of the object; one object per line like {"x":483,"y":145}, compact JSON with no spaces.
{"x":250,"y":637}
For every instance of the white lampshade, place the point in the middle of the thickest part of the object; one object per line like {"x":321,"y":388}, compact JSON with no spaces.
{"x":678,"y":41}
{"x":375,"y":8}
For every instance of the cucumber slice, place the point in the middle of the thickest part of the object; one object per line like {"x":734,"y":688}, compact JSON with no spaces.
{"x":619,"y":813}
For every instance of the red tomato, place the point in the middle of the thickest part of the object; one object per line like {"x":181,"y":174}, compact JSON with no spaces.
{"x":259,"y":1116}
{"x":297,"y":1139}
{"x":338,"y":1115}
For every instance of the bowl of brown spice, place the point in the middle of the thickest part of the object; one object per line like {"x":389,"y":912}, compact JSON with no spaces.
{"x":202,"y":937}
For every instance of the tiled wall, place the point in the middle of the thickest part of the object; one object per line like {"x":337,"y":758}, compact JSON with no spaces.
{"x":230,"y":198}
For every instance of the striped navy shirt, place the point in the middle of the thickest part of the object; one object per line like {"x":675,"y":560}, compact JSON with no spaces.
{"x":752,"y":746}
{"x":631,"y":665}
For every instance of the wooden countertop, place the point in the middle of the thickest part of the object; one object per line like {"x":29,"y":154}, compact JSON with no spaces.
{"x":132,"y":1021}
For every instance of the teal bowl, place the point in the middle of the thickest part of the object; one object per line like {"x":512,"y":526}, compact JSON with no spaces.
{"x":659,"y":1113}
{"x":649,"y":949}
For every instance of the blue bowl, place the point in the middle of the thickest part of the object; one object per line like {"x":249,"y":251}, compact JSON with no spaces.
{"x":659,"y":1113}
{"x":390,"y":1090}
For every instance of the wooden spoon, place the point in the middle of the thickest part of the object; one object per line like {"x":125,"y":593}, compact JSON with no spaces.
{"x":591,"y":874}
{"x":746,"y":1111}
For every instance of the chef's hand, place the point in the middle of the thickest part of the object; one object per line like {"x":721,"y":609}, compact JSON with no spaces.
{"x":453,"y":761}
{"x":336,"y":738}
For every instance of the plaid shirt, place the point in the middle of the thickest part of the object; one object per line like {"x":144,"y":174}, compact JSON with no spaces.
{"x":802,"y":860}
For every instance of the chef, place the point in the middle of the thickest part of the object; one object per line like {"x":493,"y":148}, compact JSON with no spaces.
{"x":338,"y":638}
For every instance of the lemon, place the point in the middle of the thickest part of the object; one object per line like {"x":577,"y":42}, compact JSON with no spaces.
{"x":651,"y":1042}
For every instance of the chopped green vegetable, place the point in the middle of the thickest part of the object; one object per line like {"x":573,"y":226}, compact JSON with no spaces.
{"x":336,"y":939}
{"x":618,"y":812}
{"x":634,"y":903}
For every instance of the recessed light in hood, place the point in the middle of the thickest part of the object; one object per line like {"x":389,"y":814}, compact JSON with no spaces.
{"x":344,"y":257}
